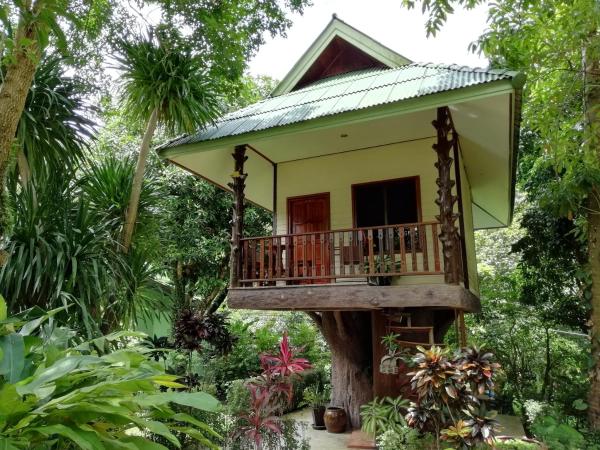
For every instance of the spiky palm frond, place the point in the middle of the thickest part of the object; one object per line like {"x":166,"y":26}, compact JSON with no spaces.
{"x":60,"y":253}
{"x":107,"y":185}
{"x":167,"y":77}
{"x":54,"y":130}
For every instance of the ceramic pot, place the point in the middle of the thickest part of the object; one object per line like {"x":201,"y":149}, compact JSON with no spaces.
{"x":335,"y":419}
{"x":318,"y":418}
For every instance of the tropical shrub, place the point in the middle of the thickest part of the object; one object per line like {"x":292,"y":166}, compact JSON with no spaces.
{"x":269,"y":394}
{"x":450,"y":391}
{"x":94,"y":395}
{"x":383,"y":414}
{"x":557,"y":435}
{"x":405,"y":438}
{"x":316,"y":396}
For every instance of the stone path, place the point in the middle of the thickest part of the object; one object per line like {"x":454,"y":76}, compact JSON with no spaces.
{"x":323,"y":440}
{"x":320,"y":439}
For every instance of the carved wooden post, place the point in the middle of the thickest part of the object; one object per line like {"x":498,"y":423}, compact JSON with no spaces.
{"x":445,"y":200}
{"x":237,"y":222}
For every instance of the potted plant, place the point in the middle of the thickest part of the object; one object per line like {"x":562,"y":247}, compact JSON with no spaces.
{"x":317,"y":397}
{"x":382,"y":265}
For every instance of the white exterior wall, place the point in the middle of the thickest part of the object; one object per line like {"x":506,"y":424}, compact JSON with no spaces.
{"x":337,"y":173}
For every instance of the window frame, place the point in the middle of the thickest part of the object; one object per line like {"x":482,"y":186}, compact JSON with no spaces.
{"x":417,"y":181}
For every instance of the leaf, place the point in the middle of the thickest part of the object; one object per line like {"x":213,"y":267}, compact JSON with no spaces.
{"x":61,"y":368}
{"x":580,"y":405}
{"x":198,"y":400}
{"x":84,"y":439}
{"x":5,"y":444}
{"x":143,"y":444}
{"x":3,"y":308}
{"x":13,"y":357}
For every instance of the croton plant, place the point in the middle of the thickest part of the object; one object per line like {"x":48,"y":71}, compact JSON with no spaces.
{"x":451,"y":395}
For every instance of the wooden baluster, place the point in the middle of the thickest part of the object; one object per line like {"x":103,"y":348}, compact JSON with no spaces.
{"x":371,"y":250}
{"x":253,"y":246}
{"x":361,"y":252}
{"x":244,"y":260}
{"x":313,"y":259}
{"x":278,"y":257}
{"x":296,"y":256}
{"x":436,"y":247}
{"x":402,"y":249}
{"x":413,"y":248}
{"x":342,"y":255}
{"x":322,"y":245}
{"x":261,"y":261}
{"x":391,"y":249}
{"x":423,"y":240}
{"x":270,"y":258}
{"x":351,"y":251}
{"x":304,"y":256}
{"x":331,"y":238}
{"x":382,"y":265}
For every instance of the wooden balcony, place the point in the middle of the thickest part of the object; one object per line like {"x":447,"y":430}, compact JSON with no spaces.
{"x":347,"y":269}
{"x":330,"y":256}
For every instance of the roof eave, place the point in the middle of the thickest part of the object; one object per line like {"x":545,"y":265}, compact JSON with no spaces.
{"x":381,"y":111}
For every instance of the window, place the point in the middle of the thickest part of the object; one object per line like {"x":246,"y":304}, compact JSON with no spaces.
{"x":386,"y":202}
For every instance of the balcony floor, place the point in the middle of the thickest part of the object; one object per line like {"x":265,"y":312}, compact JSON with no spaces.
{"x":353,"y":296}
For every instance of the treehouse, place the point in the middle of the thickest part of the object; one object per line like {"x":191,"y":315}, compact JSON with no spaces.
{"x":377,"y":171}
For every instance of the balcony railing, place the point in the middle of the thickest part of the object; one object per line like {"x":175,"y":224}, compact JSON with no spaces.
{"x":328,"y":256}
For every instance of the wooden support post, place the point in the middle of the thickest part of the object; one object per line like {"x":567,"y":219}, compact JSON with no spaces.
{"x":462,"y":329}
{"x":237,"y":221}
{"x":446,"y":200}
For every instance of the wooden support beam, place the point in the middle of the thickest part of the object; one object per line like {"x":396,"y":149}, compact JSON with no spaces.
{"x":446,"y":200}
{"x":353,"y":296}
{"x":237,"y":221}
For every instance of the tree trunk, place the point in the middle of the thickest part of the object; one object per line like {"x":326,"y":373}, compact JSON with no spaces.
{"x":136,"y":185}
{"x":13,"y":93}
{"x":349,"y":337}
{"x":592,"y":108}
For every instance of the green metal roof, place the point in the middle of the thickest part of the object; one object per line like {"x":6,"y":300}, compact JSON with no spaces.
{"x":344,"y":93}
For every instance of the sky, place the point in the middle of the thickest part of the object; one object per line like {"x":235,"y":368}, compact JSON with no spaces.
{"x":384,"y":20}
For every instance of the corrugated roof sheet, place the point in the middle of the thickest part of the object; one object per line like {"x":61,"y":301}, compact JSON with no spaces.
{"x":344,"y":93}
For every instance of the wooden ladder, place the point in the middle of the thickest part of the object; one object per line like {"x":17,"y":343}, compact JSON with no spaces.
{"x":402,"y":324}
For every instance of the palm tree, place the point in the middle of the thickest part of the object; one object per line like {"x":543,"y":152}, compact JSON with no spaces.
{"x":164,"y":83}
{"x":53,"y":131}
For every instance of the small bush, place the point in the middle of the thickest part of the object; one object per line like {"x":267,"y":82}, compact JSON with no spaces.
{"x":405,"y":438}
{"x":557,"y":435}
{"x":238,"y":397}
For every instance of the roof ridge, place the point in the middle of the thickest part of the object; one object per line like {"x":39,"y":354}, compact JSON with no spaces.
{"x":464,"y":68}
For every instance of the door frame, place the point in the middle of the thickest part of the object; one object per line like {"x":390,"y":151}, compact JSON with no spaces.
{"x":324,"y":195}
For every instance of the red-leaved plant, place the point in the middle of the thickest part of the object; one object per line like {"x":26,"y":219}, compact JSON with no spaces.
{"x":270,"y":392}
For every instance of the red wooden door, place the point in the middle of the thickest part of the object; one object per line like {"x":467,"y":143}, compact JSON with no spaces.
{"x":310,"y":252}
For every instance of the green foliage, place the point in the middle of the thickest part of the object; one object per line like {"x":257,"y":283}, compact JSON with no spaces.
{"x":316,"y":396}
{"x":238,"y":397}
{"x":253,"y":336}
{"x":54,"y":128}
{"x":384,"y":414}
{"x":58,"y":395}
{"x":162,"y":74}
{"x":515,"y":444}
{"x":557,"y":435}
{"x":63,"y":249}
{"x":405,"y":438}
{"x":225,"y":35}
{"x":529,"y":298}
